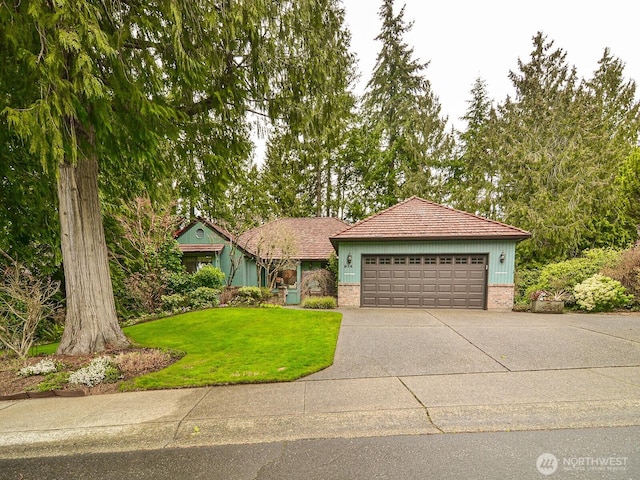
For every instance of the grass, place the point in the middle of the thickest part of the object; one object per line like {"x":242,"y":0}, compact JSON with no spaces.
{"x":238,"y":345}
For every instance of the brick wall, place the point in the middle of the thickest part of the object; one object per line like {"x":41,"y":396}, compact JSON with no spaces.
{"x":349,"y":295}
{"x":500,"y":297}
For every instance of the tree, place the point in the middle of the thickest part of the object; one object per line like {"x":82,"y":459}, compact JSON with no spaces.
{"x":471,"y":176}
{"x":275,"y":249}
{"x":116,"y":87}
{"x":302,"y":161}
{"x":560,"y":152}
{"x":402,"y":119}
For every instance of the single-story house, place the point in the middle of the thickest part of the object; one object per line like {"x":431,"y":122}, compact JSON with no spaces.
{"x":421,"y":254}
{"x":414,"y":254}
{"x":291,"y":245}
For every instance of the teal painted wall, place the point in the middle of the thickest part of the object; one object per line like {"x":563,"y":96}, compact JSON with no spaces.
{"x":499,"y":273}
{"x":246,"y":274}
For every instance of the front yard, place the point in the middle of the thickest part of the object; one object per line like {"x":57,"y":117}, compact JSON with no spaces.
{"x":220,"y":346}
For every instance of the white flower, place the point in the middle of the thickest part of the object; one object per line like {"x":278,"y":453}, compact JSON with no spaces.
{"x":41,"y":368}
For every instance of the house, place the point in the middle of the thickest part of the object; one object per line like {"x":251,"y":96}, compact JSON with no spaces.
{"x":414,"y":254}
{"x":287,"y":246}
{"x":421,"y":254}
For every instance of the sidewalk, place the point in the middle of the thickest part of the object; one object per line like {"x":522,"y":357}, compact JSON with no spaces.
{"x":341,"y":401}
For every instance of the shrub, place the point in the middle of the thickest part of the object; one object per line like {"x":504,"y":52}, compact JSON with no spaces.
{"x":319,"y":302}
{"x":204,"y":297}
{"x":600,"y":294}
{"x":228,"y":294}
{"x":100,"y":370}
{"x":174,"y":302}
{"x":251,"y":296}
{"x":321,"y":281}
{"x":567,"y":274}
{"x":208,"y":276}
{"x":627,"y":271}
{"x":25,"y":300}
{"x":181,"y":282}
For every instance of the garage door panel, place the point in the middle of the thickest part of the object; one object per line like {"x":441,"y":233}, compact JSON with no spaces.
{"x":426,"y":281}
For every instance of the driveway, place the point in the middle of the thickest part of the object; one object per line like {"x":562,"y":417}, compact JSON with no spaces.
{"x":403,"y":342}
{"x":396,"y":372}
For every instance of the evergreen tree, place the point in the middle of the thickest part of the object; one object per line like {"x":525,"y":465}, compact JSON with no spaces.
{"x":402,"y":120}
{"x":302,"y":159}
{"x":558,"y":164}
{"x":123,"y":92}
{"x":471,"y":178}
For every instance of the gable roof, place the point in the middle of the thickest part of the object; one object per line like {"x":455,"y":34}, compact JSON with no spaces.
{"x":419,"y":219}
{"x":310,"y":235}
{"x":213,"y":226}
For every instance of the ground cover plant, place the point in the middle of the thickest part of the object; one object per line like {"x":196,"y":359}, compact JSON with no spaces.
{"x":238,"y":345}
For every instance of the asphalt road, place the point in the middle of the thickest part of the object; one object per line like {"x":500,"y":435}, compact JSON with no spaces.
{"x":603,"y":453}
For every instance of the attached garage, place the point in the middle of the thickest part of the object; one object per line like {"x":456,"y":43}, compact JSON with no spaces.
{"x":429,"y":281}
{"x":419,"y":254}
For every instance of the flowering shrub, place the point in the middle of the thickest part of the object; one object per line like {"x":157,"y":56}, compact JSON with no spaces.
{"x":100,"y":370}
{"x":41,"y":368}
{"x":600,"y":294}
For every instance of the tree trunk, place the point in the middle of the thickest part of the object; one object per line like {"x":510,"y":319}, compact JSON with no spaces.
{"x":91,"y":323}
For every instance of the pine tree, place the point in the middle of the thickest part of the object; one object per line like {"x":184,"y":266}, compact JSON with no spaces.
{"x":402,"y":120}
{"x":471,"y":178}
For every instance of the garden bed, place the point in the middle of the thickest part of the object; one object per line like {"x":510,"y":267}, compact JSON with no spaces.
{"x":13,"y":386}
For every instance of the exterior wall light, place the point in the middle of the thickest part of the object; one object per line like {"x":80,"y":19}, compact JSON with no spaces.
{"x":349,"y":259}
{"x":502,"y":257}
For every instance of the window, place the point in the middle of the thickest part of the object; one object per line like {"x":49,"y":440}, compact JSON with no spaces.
{"x":430,"y":260}
{"x":384,"y":261}
{"x":477,"y":260}
{"x":461,"y":260}
{"x":200,"y":233}
{"x":369,"y":261}
{"x":415,"y":260}
{"x":399,"y":260}
{"x":446,"y":260}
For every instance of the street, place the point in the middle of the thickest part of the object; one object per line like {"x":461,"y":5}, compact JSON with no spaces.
{"x":598,"y":453}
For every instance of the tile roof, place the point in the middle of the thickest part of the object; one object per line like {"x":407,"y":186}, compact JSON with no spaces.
{"x":419,"y":219}
{"x":310,"y":235}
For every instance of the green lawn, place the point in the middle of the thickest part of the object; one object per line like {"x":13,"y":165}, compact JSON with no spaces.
{"x":238,"y":345}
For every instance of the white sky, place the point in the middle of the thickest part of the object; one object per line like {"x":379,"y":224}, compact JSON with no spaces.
{"x":466,"y":39}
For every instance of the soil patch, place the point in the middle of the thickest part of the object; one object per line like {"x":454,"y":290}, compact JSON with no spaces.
{"x":132,"y":362}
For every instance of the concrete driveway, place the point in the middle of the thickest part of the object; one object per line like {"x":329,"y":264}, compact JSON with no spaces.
{"x":396,"y":372}
{"x":403,"y":342}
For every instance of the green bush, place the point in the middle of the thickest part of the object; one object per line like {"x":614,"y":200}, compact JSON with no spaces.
{"x":319,"y":303}
{"x":566,"y":275}
{"x":250,"y":292}
{"x":181,"y":282}
{"x":204,"y":297}
{"x":601,"y":294}
{"x":174,"y":302}
{"x":208,"y":276}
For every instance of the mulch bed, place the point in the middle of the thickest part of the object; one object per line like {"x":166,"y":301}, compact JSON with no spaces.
{"x":14,"y":387}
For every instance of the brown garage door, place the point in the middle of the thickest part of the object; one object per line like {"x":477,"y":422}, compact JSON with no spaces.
{"x":424,"y":281}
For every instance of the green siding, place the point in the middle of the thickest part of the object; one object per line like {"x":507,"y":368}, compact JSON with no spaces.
{"x":246,"y":274}
{"x":499,"y":273}
{"x":210,"y":237}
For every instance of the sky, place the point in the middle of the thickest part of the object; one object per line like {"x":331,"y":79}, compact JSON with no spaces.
{"x":467,"y":39}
